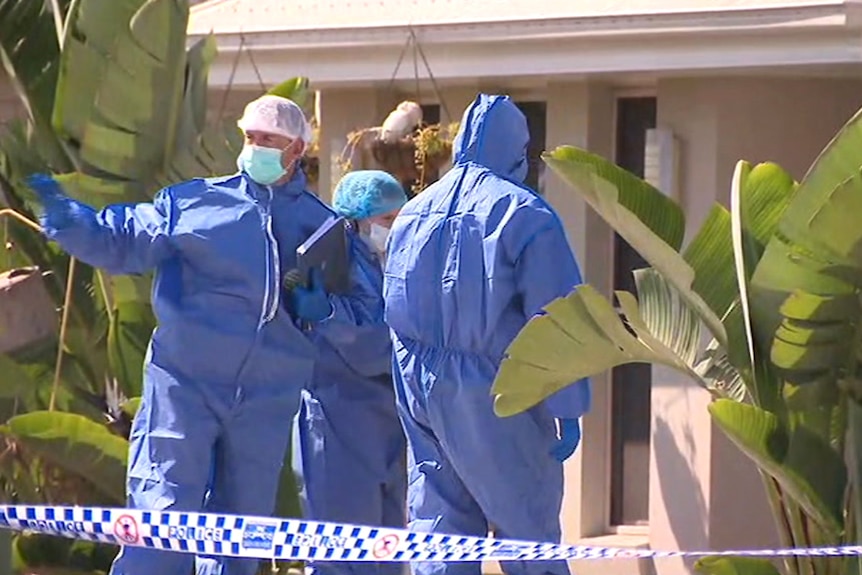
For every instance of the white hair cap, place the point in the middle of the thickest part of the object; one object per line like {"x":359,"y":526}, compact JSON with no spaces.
{"x":276,"y":115}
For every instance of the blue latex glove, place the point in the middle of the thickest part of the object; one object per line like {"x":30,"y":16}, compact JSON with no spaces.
{"x":568,"y":439}
{"x":311,"y":303}
{"x":58,"y":208}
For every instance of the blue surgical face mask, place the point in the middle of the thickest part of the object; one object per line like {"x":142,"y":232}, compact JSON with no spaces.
{"x":263,"y":165}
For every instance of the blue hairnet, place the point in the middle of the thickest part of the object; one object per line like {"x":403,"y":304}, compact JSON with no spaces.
{"x":367,"y":193}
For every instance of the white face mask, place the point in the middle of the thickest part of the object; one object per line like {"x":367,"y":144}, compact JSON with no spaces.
{"x":378,"y":236}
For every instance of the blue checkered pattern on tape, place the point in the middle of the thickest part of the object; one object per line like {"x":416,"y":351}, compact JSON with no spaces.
{"x":294,"y":539}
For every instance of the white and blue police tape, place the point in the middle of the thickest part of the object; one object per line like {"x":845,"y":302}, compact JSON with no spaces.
{"x":300,"y":540}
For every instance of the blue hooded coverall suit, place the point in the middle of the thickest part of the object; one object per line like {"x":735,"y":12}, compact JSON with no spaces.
{"x":348,"y":447}
{"x":227,"y":361}
{"x":469,"y":261}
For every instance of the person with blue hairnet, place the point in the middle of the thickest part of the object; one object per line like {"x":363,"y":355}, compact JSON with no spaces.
{"x":470,"y":260}
{"x":228,"y":358}
{"x":348,"y":448}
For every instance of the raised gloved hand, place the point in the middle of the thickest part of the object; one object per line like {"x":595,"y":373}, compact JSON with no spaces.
{"x":568,"y":439}
{"x":311,"y":303}
{"x":59,"y":211}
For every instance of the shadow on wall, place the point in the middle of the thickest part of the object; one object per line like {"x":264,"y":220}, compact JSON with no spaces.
{"x":685,"y":504}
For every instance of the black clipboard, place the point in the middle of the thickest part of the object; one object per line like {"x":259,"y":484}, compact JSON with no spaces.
{"x":326,"y":250}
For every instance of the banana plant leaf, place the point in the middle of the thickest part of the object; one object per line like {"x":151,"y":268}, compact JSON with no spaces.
{"x":31,"y":380}
{"x":287,"y":502}
{"x":120,"y":86}
{"x":702,"y":281}
{"x":648,"y":220}
{"x":77,"y":444}
{"x":802,"y":462}
{"x":131,"y":406}
{"x":202,"y":148}
{"x":617,"y":195}
{"x":804,"y":291}
{"x":296,"y":89}
{"x":134,"y":102}
{"x":193,"y":119}
{"x":132,"y":324}
{"x":582,"y":334}
{"x":759,"y":197}
{"x":15,"y":381}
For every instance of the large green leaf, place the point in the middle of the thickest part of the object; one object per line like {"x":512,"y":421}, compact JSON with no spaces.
{"x":806,"y":312}
{"x":581,"y":335}
{"x":213,"y":152}
{"x":818,"y":218}
{"x":818,"y":406}
{"x":159,"y":134}
{"x":76,"y":444}
{"x":735,"y":566}
{"x":15,"y":381}
{"x":296,"y":89}
{"x":710,"y":255}
{"x":34,"y":378}
{"x":803,"y":463}
{"x":131,"y":406}
{"x":802,"y":306}
{"x":202,"y":148}
{"x":98,"y":190}
{"x":618,"y":195}
{"x":804,"y":290}
{"x":647,"y":219}
{"x":192,"y":121}
{"x":131,"y":289}
{"x":766,"y":190}
{"x":762,"y":193}
{"x":287,"y":503}
{"x":759,"y":196}
{"x":744,"y":263}
{"x":121,"y":85}
{"x":129,"y":334}
{"x":719,"y":374}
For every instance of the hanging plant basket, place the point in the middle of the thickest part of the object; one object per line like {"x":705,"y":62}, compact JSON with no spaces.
{"x":434,"y":146}
{"x":413,"y":152}
{"x":396,"y":157}
{"x":28,"y":318}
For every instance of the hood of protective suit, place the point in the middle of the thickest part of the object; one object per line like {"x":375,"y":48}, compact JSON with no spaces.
{"x":494,"y":134}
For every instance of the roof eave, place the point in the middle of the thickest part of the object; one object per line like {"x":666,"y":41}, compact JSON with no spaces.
{"x":815,"y":15}
{"x":808,"y":35}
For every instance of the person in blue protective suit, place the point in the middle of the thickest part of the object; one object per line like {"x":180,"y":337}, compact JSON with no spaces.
{"x":349,"y":449}
{"x":227,"y":360}
{"x":470,"y":260}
